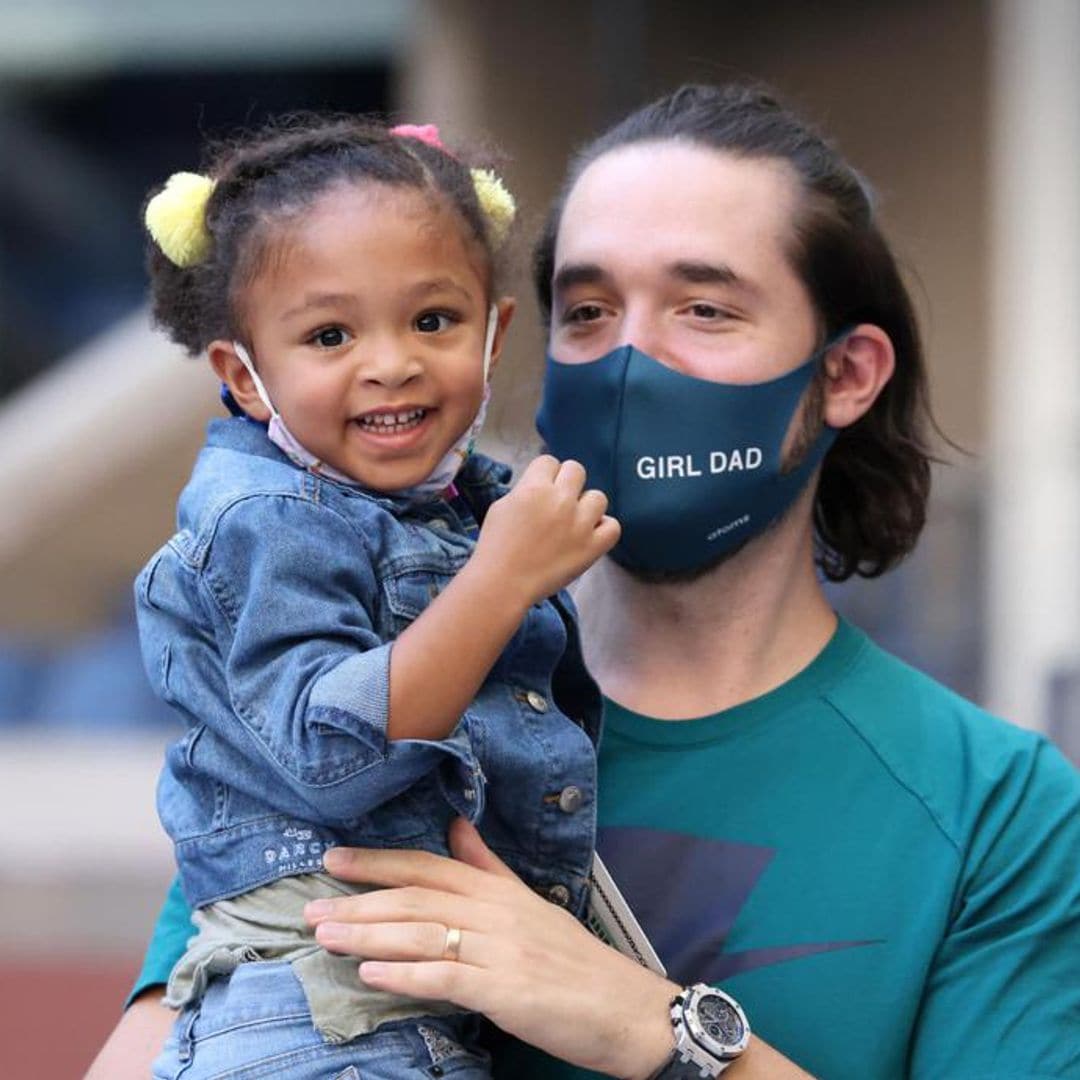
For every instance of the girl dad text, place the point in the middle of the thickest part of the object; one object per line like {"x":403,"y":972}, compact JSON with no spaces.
{"x":719,"y":461}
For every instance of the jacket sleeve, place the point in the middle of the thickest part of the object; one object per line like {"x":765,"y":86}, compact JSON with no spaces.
{"x":292,"y":593}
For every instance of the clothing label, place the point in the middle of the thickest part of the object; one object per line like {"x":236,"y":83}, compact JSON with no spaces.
{"x":609,"y":917}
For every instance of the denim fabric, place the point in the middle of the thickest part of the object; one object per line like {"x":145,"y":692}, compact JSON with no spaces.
{"x":267,"y":621}
{"x":256,"y":1024}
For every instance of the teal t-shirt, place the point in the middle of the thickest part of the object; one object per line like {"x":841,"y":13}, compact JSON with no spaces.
{"x":886,"y":877}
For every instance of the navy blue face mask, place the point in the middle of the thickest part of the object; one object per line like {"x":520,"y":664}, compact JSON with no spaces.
{"x":692,"y":468}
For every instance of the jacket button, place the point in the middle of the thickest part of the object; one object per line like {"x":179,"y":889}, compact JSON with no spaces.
{"x":559,"y":894}
{"x":537,"y":702}
{"x":570,"y":799}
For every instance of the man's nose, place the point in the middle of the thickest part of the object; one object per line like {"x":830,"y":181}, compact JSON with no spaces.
{"x":649,"y":336}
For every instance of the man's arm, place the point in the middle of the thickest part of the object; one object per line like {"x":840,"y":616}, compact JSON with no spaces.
{"x":136,"y":1040}
{"x":138,"y":1036}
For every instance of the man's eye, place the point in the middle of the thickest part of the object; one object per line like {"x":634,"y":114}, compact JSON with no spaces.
{"x":431,"y":322}
{"x":583,"y":313}
{"x":330,"y":337}
{"x":706,"y":311}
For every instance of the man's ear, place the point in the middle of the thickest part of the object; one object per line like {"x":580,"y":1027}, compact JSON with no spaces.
{"x":506,"y":306}
{"x":856,"y":371}
{"x":231,"y":371}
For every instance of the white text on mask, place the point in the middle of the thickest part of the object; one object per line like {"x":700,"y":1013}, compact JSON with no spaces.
{"x":671,"y":466}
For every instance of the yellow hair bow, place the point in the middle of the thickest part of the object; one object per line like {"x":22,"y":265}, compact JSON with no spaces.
{"x":176,"y":218}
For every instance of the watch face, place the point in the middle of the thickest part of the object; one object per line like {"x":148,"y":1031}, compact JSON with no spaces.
{"x":719,"y":1020}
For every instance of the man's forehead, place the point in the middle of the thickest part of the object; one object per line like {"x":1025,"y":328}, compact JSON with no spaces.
{"x":678,"y":212}
{"x":679,"y":202}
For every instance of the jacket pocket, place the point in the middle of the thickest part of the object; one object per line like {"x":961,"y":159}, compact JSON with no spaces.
{"x":408,"y":593}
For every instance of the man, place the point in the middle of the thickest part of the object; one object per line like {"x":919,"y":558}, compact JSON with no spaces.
{"x":879,"y":876}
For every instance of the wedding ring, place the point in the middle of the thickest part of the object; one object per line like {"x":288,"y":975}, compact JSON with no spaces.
{"x":452,"y":947}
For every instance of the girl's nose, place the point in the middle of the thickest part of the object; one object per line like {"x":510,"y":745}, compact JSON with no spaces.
{"x":390,"y":364}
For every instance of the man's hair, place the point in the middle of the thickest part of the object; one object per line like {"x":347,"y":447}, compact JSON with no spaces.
{"x":870,"y":504}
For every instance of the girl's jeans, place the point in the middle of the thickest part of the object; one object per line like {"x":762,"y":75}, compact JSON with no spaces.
{"x":256,"y":1024}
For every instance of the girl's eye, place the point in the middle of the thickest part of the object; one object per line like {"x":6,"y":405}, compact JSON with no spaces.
{"x":330,"y":337}
{"x":431,"y":322}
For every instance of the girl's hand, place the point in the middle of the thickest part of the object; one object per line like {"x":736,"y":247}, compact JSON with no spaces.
{"x":547,"y":531}
{"x":523,"y":962}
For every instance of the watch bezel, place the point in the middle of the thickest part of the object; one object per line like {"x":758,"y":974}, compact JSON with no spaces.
{"x":723,"y":1051}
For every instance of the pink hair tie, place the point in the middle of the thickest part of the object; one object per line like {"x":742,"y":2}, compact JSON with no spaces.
{"x":425,"y":133}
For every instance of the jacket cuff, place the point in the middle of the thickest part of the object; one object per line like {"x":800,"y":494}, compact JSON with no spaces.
{"x":359,"y":686}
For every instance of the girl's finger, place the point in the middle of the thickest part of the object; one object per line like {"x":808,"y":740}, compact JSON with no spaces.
{"x":541,"y":470}
{"x":594,"y":503}
{"x":571,"y":476}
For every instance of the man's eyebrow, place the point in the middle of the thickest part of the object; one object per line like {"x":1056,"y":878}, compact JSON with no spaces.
{"x":314,"y":301}
{"x":692,"y":271}
{"x":704,"y":273}
{"x":566,"y":277}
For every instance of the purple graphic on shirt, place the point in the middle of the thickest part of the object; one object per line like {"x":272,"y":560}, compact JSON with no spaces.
{"x":687,"y":893}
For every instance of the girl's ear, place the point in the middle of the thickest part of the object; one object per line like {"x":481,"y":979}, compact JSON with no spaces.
{"x":856,"y":371}
{"x":506,"y":306}
{"x":230,"y":369}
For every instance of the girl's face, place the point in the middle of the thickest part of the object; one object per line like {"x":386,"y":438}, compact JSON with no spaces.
{"x":367,"y":325}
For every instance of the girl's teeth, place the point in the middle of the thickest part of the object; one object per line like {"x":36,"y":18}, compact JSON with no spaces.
{"x":388,"y":421}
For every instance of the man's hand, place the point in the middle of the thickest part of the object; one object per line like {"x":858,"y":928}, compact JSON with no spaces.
{"x":525,"y":963}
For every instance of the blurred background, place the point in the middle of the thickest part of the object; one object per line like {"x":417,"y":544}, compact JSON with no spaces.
{"x":962,"y":114}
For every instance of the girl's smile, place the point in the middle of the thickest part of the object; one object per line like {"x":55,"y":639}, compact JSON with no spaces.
{"x":395,"y":428}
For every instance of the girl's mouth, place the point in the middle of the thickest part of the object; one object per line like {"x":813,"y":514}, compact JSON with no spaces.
{"x":391,"y":422}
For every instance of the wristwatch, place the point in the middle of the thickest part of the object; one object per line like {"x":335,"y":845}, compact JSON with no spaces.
{"x":711,"y":1031}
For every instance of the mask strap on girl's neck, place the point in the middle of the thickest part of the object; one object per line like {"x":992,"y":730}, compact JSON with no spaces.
{"x":260,"y":389}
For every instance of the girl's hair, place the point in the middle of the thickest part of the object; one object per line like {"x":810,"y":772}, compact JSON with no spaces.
{"x":267,"y":177}
{"x":871,"y":499}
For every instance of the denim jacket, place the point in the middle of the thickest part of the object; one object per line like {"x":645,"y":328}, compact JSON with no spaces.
{"x":268,"y":620}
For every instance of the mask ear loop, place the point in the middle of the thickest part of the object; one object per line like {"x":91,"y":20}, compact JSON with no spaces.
{"x":489,"y":340}
{"x":260,"y":389}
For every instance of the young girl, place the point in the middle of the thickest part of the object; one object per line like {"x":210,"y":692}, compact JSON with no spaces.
{"x":362,"y":629}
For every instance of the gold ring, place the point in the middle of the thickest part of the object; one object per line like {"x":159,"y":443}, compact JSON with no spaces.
{"x":452,"y":947}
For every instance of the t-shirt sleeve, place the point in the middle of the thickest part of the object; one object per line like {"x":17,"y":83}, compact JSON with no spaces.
{"x":167,"y":943}
{"x":1002,"y":999}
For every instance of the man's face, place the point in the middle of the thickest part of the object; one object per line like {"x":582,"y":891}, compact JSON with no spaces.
{"x":680,"y":250}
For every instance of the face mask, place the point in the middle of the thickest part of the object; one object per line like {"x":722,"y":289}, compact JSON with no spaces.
{"x":691,"y":467}
{"x":443,"y":474}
